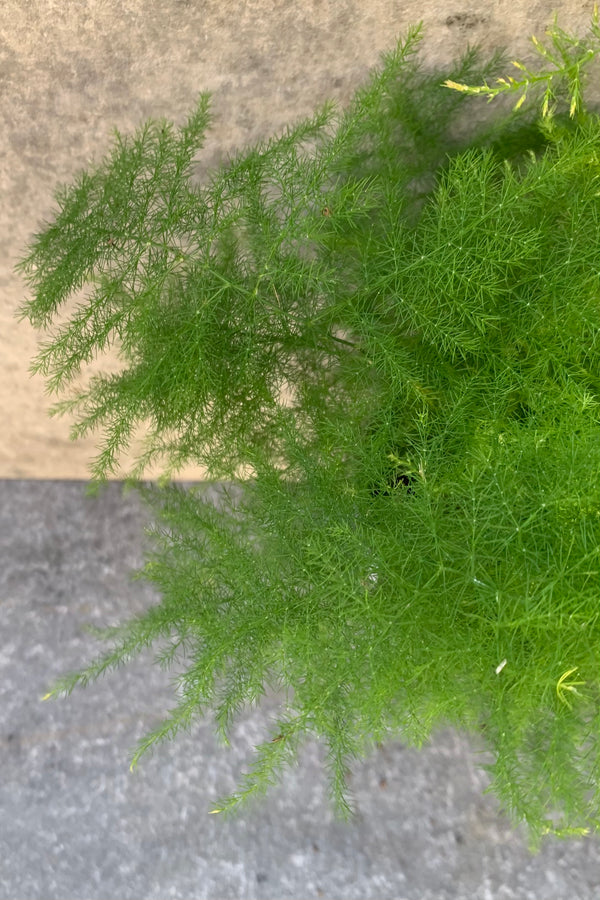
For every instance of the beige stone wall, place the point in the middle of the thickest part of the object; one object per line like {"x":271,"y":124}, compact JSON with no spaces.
{"x":71,"y":70}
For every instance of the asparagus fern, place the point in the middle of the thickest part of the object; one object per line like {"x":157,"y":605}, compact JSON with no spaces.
{"x":384,"y":338}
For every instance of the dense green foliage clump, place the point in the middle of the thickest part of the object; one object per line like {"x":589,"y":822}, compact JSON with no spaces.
{"x":389,"y":335}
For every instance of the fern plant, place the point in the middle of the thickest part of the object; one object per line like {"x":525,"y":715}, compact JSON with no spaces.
{"x":381,"y":330}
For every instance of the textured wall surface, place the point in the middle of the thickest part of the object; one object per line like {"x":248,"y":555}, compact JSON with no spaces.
{"x":71,"y":70}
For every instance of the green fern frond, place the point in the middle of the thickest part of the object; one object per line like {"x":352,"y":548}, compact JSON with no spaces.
{"x":384,"y":338}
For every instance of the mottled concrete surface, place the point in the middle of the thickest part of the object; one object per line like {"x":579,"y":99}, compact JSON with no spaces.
{"x":77,"y":825}
{"x":71,"y":70}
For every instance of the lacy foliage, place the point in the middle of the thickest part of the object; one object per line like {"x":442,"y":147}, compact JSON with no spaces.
{"x":394,"y":329}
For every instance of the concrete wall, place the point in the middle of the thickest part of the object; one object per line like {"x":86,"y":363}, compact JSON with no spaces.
{"x":71,"y":70}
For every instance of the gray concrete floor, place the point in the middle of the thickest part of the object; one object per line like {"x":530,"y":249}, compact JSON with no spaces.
{"x":77,"y":824}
